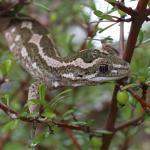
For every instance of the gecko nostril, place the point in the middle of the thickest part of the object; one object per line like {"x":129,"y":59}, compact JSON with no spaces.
{"x":103,"y":68}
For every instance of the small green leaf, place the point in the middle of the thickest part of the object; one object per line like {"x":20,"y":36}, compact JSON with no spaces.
{"x":58,"y":98}
{"x":107,"y":17}
{"x":102,"y":15}
{"x":69,"y":112}
{"x":121,"y":12}
{"x":101,"y":132}
{"x":18,"y":8}
{"x":141,"y":36}
{"x":13,"y":145}
{"x":111,"y":1}
{"x":49,"y":114}
{"x":103,"y":29}
{"x":147,"y":130}
{"x":11,"y":125}
{"x":98,"y":13}
{"x":70,"y":42}
{"x":39,"y":138}
{"x":149,"y":4}
{"x":108,"y":38}
{"x":8,"y":65}
{"x":91,"y":5}
{"x":41,"y":6}
{"x":42,"y":93}
{"x":32,"y":102}
{"x":6,"y":98}
{"x":24,"y":114}
{"x":82,"y":123}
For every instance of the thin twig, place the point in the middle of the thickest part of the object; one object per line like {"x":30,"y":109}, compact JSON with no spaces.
{"x":12,"y":114}
{"x":122,"y":7}
{"x":132,"y":122}
{"x":15,"y":115}
{"x":118,"y":20}
{"x":73,"y":138}
{"x":142,"y":101}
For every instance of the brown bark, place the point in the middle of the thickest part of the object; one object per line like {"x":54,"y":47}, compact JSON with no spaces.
{"x":138,"y":19}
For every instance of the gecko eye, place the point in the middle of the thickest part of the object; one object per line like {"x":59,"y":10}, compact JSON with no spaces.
{"x":103,"y":68}
{"x":80,"y":75}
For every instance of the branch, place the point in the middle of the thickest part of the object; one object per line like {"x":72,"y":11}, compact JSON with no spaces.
{"x":110,"y":120}
{"x":12,"y":114}
{"x":132,"y":122}
{"x":122,"y":7}
{"x":139,"y":18}
{"x":135,"y":28}
{"x":84,"y":128}
{"x":73,"y":138}
{"x":142,"y":101}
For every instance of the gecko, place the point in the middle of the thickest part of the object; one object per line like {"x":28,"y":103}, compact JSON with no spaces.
{"x":34,"y":48}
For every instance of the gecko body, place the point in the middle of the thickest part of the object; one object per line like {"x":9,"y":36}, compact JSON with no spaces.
{"x":35,"y":50}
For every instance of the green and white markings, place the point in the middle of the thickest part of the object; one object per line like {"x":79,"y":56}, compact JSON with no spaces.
{"x":35,"y":50}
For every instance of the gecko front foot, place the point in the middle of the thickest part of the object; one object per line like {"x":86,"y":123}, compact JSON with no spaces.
{"x":33,"y":94}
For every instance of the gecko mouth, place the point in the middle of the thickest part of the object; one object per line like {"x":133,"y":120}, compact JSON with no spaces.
{"x":124,"y":72}
{"x":102,"y":79}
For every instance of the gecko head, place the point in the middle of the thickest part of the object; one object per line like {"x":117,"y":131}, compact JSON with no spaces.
{"x":110,"y":68}
{"x":95,"y":66}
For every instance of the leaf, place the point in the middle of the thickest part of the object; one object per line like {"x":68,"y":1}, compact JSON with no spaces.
{"x":57,"y":101}
{"x":8,"y":65}
{"x":11,"y":125}
{"x":108,"y":38}
{"x":32,"y":102}
{"x":101,"y":132}
{"x":41,"y":6}
{"x":70,"y":42}
{"x":98,"y":13}
{"x":147,"y":130}
{"x":121,"y":12}
{"x":39,"y":138}
{"x":13,"y":145}
{"x":149,"y":4}
{"x":42,"y":93}
{"x":107,"y":17}
{"x":91,"y":5}
{"x":82,"y":123}
{"x":68,"y":114}
{"x":18,"y":8}
{"x":102,"y":15}
{"x":6,"y":98}
{"x":141,"y":36}
{"x":24,"y":114}
{"x":103,"y":29}
{"x":49,"y":114}
{"x":111,"y":1}
{"x":58,"y":98}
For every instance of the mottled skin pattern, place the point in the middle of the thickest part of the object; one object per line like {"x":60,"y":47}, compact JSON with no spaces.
{"x":32,"y":46}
